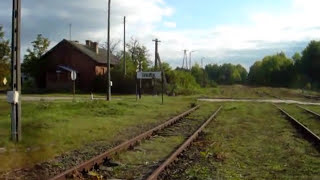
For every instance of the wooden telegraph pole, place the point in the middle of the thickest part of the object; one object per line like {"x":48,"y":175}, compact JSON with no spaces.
{"x":124,"y":47}
{"x":155,"y":64}
{"x":108,"y":55}
{"x":156,"y":54}
{"x":70,"y":31}
{"x":16,"y":72}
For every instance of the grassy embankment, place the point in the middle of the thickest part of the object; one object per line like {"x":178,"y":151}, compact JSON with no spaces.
{"x":250,"y":141}
{"x":52,"y":128}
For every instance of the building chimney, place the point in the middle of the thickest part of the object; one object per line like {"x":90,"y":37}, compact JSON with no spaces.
{"x":95,"y":47}
{"x":88,"y":43}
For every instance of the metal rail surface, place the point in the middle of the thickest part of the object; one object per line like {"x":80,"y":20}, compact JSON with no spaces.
{"x":309,"y":111}
{"x":306,"y":130}
{"x":88,"y":165}
{"x":185,"y":145}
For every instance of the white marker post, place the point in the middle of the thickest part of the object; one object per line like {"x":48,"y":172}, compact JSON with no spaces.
{"x":4,"y":81}
{"x":73,"y":78}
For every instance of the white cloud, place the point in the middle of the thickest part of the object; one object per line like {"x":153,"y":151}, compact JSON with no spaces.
{"x":170,"y":24}
{"x":265,"y":30}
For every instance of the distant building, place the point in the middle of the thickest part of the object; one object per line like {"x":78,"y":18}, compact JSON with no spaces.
{"x":89,"y":61}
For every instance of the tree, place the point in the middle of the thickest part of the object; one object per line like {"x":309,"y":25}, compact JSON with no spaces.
{"x":139,"y":53}
{"x":296,"y":57}
{"x":200,"y":75}
{"x":276,"y":70}
{"x":310,"y":61}
{"x":226,"y":73}
{"x":113,"y":45}
{"x":4,"y":57}
{"x":33,"y":64}
{"x":136,"y":53}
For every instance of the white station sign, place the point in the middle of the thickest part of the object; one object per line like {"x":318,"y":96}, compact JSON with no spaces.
{"x":73,"y":75}
{"x":149,"y":75}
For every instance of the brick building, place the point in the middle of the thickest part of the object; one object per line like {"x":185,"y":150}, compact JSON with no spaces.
{"x":88,"y":61}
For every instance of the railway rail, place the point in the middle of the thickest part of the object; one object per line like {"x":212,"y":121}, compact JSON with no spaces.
{"x":305,"y":130}
{"x":104,"y":157}
{"x":157,"y":172}
{"x":309,"y":111}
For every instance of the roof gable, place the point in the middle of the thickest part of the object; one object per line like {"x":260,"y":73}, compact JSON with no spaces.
{"x":100,"y":58}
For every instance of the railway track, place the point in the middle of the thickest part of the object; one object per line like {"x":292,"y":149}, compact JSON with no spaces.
{"x":309,"y":134}
{"x":94,"y":163}
{"x":157,"y":172}
{"x":142,"y":160}
{"x":311,"y":112}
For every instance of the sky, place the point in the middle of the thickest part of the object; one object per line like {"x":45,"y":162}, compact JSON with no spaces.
{"x":233,"y":31}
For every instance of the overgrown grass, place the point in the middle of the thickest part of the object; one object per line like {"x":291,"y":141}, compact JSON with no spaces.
{"x":240,"y":91}
{"x":310,"y":121}
{"x":53,"y":128}
{"x":252,"y":141}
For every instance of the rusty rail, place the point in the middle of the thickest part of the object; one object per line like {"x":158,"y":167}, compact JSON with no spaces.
{"x":309,"y":111}
{"x":185,"y":145}
{"x":298,"y":124}
{"x":88,"y":165}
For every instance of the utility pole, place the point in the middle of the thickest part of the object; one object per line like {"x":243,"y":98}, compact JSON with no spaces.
{"x":16,"y":71}
{"x":156,"y":53}
{"x":70,"y":31}
{"x":140,"y":81}
{"x":124,"y":47}
{"x":108,"y":55}
{"x":155,"y":64}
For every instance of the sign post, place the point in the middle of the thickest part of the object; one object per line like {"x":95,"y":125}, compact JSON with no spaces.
{"x":152,"y":76}
{"x":149,"y":75}
{"x":73,"y":78}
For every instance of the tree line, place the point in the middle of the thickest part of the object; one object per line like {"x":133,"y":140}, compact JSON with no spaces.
{"x":299,"y":71}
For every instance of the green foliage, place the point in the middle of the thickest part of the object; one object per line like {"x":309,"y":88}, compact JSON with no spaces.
{"x":227,"y":73}
{"x":124,"y":83}
{"x":33,"y":63}
{"x":181,"y":82}
{"x":200,"y":75}
{"x":4,"y":59}
{"x":296,"y":57}
{"x":310,"y":61}
{"x":276,"y":70}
